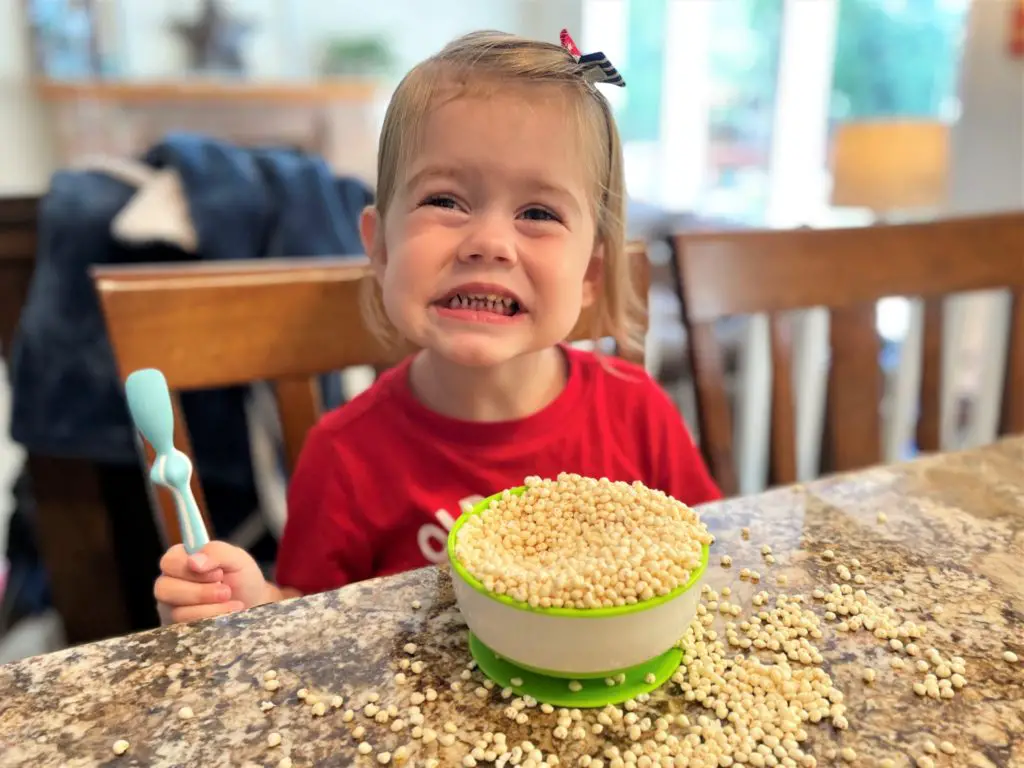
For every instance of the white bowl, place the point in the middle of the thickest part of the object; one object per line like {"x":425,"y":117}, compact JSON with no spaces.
{"x":571,"y":642}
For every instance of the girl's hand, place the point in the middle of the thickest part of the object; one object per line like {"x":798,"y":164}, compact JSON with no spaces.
{"x":219,"y":579}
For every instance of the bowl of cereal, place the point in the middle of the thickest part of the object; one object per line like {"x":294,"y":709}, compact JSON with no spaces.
{"x":576,"y":590}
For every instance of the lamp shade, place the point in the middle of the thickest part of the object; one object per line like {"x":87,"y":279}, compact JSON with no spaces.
{"x":890,"y":166}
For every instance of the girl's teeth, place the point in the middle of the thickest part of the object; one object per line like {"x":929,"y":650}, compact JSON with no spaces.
{"x":501,"y":305}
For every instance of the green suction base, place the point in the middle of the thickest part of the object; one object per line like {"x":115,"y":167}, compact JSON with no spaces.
{"x":554,"y":690}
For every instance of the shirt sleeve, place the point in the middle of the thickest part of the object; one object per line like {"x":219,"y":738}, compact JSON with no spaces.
{"x":324,"y":545}
{"x":678,"y":466}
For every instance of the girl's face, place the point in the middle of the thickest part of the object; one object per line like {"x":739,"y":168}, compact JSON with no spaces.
{"x":488,"y":249}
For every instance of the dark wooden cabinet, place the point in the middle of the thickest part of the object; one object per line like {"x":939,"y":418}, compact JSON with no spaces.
{"x":76,"y":540}
{"x":17,"y":255}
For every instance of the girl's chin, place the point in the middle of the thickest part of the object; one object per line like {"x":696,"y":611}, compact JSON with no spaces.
{"x":473,"y":355}
{"x":473,"y":351}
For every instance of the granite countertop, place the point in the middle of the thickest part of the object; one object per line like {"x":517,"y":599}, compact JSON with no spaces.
{"x":949,"y":557}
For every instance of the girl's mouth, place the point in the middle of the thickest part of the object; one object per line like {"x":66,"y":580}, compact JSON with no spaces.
{"x":482,"y":302}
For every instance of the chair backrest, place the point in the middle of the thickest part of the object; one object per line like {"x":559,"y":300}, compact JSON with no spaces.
{"x":207,"y":325}
{"x":846,"y":271}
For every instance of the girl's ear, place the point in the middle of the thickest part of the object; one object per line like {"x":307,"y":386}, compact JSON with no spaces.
{"x":592,"y":278}
{"x":371,"y":232}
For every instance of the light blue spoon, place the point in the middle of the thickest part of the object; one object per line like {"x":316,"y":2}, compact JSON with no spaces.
{"x":149,"y":403}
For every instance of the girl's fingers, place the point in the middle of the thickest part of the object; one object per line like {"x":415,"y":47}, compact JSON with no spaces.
{"x":178,"y":592}
{"x":220,"y":555}
{"x":175,"y":563}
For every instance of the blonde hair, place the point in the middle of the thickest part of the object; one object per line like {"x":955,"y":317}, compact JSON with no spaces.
{"x":487,"y":58}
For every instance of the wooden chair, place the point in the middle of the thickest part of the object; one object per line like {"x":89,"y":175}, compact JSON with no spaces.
{"x":286,"y":322}
{"x":846,"y":271}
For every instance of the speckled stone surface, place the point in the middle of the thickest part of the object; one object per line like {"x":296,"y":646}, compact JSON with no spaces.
{"x":953,"y":543}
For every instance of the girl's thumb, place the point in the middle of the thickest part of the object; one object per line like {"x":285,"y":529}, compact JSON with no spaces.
{"x":200,"y":563}
{"x":218,"y":554}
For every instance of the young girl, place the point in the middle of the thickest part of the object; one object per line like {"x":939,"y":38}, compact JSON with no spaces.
{"x":499,"y":217}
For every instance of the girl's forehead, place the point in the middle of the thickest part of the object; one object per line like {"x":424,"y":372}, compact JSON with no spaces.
{"x":514,"y":132}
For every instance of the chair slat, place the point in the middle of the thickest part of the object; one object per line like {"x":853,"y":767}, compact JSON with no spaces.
{"x":783,"y":414}
{"x":854,"y":387}
{"x":929,"y":411}
{"x":299,"y":406}
{"x":713,"y":416}
{"x":1012,"y":420}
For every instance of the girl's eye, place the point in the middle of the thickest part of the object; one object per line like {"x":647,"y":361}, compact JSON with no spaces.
{"x":440,"y":201}
{"x":539,"y":214}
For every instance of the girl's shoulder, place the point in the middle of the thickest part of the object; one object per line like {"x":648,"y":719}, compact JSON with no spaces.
{"x":626,"y":387}
{"x":614,"y":372}
{"x":368,"y":408}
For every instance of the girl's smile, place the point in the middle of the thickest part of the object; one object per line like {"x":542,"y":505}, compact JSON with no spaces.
{"x":486,"y":303}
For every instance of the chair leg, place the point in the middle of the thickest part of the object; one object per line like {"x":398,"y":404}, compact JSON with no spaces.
{"x":77,"y":548}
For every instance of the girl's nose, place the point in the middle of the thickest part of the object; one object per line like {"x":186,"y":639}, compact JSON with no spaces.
{"x":490,"y":242}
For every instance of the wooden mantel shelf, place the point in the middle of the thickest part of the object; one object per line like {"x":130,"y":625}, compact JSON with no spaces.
{"x":198,"y":90}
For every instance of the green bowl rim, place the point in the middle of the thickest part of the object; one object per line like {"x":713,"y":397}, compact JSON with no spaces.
{"x":595,"y":613}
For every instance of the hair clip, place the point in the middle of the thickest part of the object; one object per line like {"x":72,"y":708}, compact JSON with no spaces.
{"x":594,"y":67}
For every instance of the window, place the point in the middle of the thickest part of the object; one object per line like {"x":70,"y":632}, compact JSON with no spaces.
{"x":708,"y":83}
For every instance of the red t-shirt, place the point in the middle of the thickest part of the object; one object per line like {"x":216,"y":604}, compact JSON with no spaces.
{"x":380,"y":479}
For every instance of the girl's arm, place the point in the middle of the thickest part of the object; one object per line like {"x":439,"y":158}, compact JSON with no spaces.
{"x":276,"y":593}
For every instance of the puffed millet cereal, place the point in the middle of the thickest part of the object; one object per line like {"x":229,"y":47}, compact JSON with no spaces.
{"x":756,"y":686}
{"x":577,"y":542}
